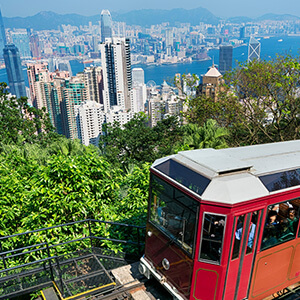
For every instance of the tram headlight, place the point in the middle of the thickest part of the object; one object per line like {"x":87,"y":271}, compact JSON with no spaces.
{"x":144,"y":270}
{"x":166,"y":264}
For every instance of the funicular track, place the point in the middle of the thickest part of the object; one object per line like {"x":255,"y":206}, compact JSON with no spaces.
{"x":76,"y":268}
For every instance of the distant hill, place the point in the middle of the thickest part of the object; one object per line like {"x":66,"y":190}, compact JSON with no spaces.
{"x":238,"y":20}
{"x":145,"y":17}
{"x":266,"y":17}
{"x":276,"y":17}
{"x":47,"y":20}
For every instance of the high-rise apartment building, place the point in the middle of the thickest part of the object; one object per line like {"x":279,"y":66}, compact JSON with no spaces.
{"x":46,"y":91}
{"x":14,"y":70}
{"x":253,"y":49}
{"x":38,"y":74}
{"x":225,"y":58}
{"x":117,"y":78}
{"x":89,"y":119}
{"x":106,"y":25}
{"x":93,"y":79}
{"x":169,"y":37}
{"x":74,"y":93}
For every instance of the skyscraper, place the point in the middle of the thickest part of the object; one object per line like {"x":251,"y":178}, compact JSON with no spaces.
{"x":242,"y":32}
{"x":225,"y":58}
{"x":253,"y":49}
{"x":106,"y":25}
{"x":138,"y":76}
{"x":117,"y":78}
{"x":21,"y":40}
{"x":2,"y":35}
{"x":14,"y":70}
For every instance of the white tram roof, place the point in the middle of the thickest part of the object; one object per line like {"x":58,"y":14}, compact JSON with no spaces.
{"x":235,"y":175}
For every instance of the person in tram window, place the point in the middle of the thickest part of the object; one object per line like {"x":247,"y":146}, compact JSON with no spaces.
{"x":285,"y":232}
{"x":217,"y":230}
{"x":272,"y":219}
{"x":238,"y":233}
{"x":292,"y":220}
{"x":271,"y":230}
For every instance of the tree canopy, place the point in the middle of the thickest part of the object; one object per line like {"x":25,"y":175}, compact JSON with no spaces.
{"x":260,"y":102}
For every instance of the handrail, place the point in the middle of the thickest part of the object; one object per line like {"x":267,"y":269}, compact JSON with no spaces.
{"x":68,"y":224}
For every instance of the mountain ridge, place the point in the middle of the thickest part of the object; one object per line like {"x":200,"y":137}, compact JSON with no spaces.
{"x":47,"y":20}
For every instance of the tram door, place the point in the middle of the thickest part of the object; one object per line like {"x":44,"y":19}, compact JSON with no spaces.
{"x":241,"y":257}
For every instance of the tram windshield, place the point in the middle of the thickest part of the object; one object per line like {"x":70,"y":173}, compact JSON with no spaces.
{"x":174,"y":213}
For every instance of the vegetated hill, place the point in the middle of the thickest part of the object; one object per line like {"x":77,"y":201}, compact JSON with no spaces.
{"x":145,"y":17}
{"x":276,"y":17}
{"x":238,"y":20}
{"x":266,"y":17}
{"x":47,"y":20}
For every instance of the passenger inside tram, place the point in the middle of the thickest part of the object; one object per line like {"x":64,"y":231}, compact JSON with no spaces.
{"x":292,"y":220}
{"x":282,"y":224}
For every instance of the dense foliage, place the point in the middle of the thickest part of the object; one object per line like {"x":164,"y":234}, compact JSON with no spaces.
{"x":136,"y":142}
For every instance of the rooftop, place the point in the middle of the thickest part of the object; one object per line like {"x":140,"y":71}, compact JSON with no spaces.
{"x":235,"y":175}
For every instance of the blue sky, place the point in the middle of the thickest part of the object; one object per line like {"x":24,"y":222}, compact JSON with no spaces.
{"x":221,"y":8}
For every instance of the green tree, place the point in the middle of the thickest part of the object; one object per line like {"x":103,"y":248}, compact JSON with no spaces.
{"x":210,"y":135}
{"x":137,"y":143}
{"x":21,"y":123}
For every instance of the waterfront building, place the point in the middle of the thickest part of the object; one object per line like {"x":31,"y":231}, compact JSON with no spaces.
{"x":89,"y":119}
{"x":253,"y":49}
{"x":117,"y":77}
{"x":106,"y":25}
{"x":138,"y":75}
{"x":225,"y":58}
{"x":14,"y":70}
{"x":21,"y":40}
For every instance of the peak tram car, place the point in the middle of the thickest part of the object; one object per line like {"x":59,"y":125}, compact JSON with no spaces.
{"x":224,"y":224}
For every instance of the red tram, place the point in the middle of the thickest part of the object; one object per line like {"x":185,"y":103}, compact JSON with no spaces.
{"x":223,"y":224}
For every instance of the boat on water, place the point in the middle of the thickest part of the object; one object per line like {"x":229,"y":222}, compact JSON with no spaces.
{"x":280,"y":40}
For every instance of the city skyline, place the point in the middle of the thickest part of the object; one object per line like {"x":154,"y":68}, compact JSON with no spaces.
{"x":230,"y":8}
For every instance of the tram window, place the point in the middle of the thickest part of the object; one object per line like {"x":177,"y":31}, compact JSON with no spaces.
{"x":281,"y":223}
{"x":281,"y":180}
{"x":239,"y":233}
{"x":174,"y":213}
{"x":187,"y":177}
{"x":238,"y":236}
{"x":251,"y":233}
{"x":212,"y":237}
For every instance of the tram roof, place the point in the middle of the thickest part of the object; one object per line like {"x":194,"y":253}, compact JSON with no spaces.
{"x":235,"y":175}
